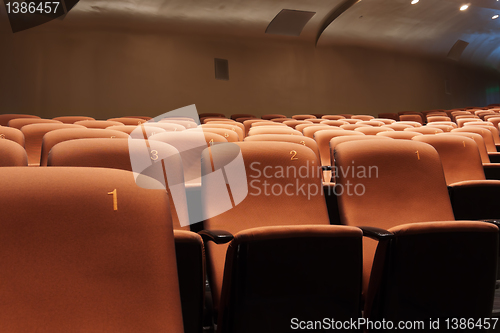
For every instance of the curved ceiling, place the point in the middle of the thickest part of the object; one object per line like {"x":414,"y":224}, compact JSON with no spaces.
{"x":429,"y":27}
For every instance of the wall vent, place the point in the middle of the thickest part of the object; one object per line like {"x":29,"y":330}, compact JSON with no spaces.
{"x":221,"y":69}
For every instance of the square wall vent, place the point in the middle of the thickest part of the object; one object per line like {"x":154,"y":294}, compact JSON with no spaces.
{"x":289,"y":22}
{"x":221,"y":69}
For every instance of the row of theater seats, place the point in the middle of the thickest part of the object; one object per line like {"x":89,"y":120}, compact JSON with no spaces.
{"x":272,"y":257}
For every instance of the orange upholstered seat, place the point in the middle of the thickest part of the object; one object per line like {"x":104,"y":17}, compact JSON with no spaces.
{"x":101,"y":258}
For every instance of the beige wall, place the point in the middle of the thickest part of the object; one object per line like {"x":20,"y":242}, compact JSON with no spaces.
{"x":102,"y":73}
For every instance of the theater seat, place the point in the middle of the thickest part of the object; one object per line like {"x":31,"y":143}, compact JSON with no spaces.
{"x":128,"y":121}
{"x":393,"y":116}
{"x":391,"y":182}
{"x":242,"y":115}
{"x":72,"y":119}
{"x":88,"y":250}
{"x":363,"y":117}
{"x":425,"y":130}
{"x":293,"y":123}
{"x":309,"y":131}
{"x":323,"y":138}
{"x":228,"y":135}
{"x":472,"y":196}
{"x":260,"y":207}
{"x":434,"y":270}
{"x":273,"y":130}
{"x":120,"y":154}
{"x":12,"y":134}
{"x":52,"y":138}
{"x":272,"y":116}
{"x":228,"y":127}
{"x":411,"y":117}
{"x":332,"y":117}
{"x":20,"y":122}
{"x":303,"y":116}
{"x":6,"y":117}
{"x":400,"y":135}
{"x":336,"y":123}
{"x":275,"y":274}
{"x":373,"y":130}
{"x":302,"y":140}
{"x":102,"y":124}
{"x":33,"y":135}
{"x":12,"y":154}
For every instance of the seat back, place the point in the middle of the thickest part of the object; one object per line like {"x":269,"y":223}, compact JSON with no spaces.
{"x":486,"y":134}
{"x":479,"y":142}
{"x":12,"y":154}
{"x":293,"y":123}
{"x":273,"y":130}
{"x":303,"y":116}
{"x":272,"y":172}
{"x":459,"y":156}
{"x":72,"y":119}
{"x":272,"y":116}
{"x":373,"y":130}
{"x":425,"y":130}
{"x":363,"y":117}
{"x":12,"y":134}
{"x":98,"y":123}
{"x":336,"y":123}
{"x":190,"y":145}
{"x":411,"y":117}
{"x":128,"y":121}
{"x":233,"y":126}
{"x":50,"y":139}
{"x":168,"y":127}
{"x":88,"y":250}
{"x":393,"y":116}
{"x":332,"y":117}
{"x":305,"y":141}
{"x":33,"y":135}
{"x":401,"y":135}
{"x":228,"y":135}
{"x":309,"y":131}
{"x":339,"y":139}
{"x":398,"y":126}
{"x":6,"y":117}
{"x":323,"y":138}
{"x":20,"y":122}
{"x":387,"y":183}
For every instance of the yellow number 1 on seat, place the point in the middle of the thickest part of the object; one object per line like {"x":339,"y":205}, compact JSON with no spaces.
{"x":115,"y":199}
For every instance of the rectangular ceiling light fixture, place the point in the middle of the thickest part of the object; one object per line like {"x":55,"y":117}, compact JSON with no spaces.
{"x":289,"y":22}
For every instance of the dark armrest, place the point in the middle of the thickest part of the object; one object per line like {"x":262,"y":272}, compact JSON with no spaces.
{"x":377,"y":233}
{"x":493,"y":221}
{"x":327,"y":168}
{"x":498,"y":147}
{"x":494,"y":157}
{"x":216,"y":236}
{"x":492,"y":171}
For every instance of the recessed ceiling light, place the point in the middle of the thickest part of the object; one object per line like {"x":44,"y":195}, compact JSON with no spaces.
{"x":464,"y":7}
{"x":494,"y":17}
{"x":414,"y":1}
